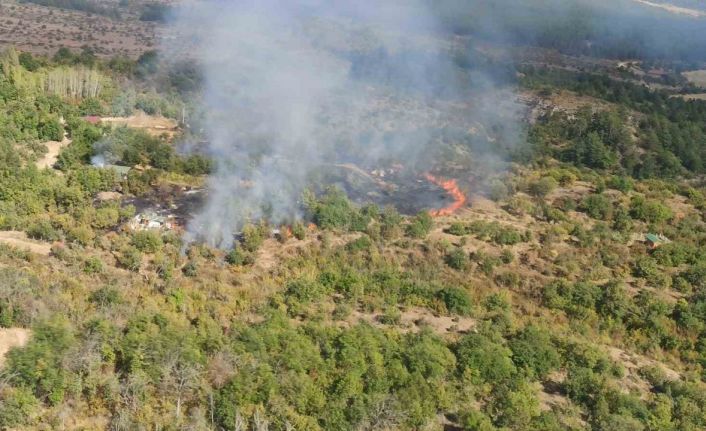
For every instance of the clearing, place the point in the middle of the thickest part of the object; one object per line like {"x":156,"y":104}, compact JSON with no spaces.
{"x":20,"y":240}
{"x":696,"y":77}
{"x":12,"y":337}
{"x":155,"y":125}
{"x":53,"y":150}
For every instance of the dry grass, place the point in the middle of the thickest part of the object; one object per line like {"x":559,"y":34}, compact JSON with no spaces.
{"x":155,"y":125}
{"x":696,"y":77}
{"x":43,"y":30}
{"x":12,"y":337}
{"x":20,"y":240}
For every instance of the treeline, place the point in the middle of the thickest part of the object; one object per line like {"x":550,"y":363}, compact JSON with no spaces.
{"x":90,"y":6}
{"x":671,"y":131}
{"x":596,"y":28}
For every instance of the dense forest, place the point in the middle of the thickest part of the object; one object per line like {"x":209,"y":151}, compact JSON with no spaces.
{"x":540,"y":306}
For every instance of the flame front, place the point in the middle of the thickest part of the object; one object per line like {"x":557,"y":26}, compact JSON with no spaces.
{"x":452,"y":189}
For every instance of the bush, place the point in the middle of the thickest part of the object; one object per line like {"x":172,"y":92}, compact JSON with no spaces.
{"x":649,"y":210}
{"x":93,"y":265}
{"x":83,"y":235}
{"x":18,"y":407}
{"x":420,"y":226}
{"x":542,"y":187}
{"x":39,"y":364}
{"x":237,"y":257}
{"x":299,"y":231}
{"x":457,"y":259}
{"x":597,"y":206}
{"x":190,"y":269}
{"x":105,"y":296}
{"x":147,"y":241}
{"x":253,"y":237}
{"x":486,"y":360}
{"x":532,"y":349}
{"x":457,"y":228}
{"x":457,"y":300}
{"x":359,"y":244}
{"x":43,"y":230}
{"x":130,"y":258}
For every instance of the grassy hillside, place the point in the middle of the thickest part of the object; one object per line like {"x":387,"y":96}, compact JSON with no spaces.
{"x":540,"y":306}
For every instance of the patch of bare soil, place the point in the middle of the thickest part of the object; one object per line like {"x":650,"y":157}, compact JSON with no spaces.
{"x":52,"y":155}
{"x":43,"y":30}
{"x":696,"y":77}
{"x":12,"y":337}
{"x":700,"y":96}
{"x":415,"y":318}
{"x":559,"y":101}
{"x":20,"y":240}
{"x":155,"y":125}
{"x":633,"y":362}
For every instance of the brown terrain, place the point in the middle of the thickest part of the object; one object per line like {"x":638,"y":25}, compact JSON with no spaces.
{"x":11,"y":337}
{"x":152,"y":124}
{"x":43,"y":30}
{"x":20,"y":240}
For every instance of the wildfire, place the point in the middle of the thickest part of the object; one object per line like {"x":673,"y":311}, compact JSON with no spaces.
{"x":451,"y":187}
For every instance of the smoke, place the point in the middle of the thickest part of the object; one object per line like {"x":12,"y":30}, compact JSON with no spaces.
{"x":294,"y":85}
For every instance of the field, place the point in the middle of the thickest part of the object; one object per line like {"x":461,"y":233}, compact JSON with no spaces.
{"x":696,"y":77}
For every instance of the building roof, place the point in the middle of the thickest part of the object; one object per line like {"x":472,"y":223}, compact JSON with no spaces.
{"x":655,"y":238}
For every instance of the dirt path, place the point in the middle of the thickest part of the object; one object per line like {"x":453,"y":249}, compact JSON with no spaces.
{"x":12,"y":337}
{"x":20,"y":240}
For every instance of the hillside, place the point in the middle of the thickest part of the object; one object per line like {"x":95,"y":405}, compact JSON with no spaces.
{"x":490,"y":233}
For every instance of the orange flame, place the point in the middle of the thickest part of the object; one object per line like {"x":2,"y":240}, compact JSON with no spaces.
{"x":451,"y":187}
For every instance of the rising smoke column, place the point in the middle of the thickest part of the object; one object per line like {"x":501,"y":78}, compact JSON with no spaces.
{"x":290,"y":85}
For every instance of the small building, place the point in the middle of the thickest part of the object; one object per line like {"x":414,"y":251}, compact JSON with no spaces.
{"x":150,"y":221}
{"x":654,"y":240}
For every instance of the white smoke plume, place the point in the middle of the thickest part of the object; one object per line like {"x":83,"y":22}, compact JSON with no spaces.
{"x":291,"y":85}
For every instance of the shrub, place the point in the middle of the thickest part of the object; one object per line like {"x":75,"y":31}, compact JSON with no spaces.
{"x":18,"y":407}
{"x":597,"y":206}
{"x":105,"y":296}
{"x":39,"y":364}
{"x":457,"y":259}
{"x":190,"y":269}
{"x":457,"y":228}
{"x":486,"y":360}
{"x":236,"y":257}
{"x":83,"y":235}
{"x":457,"y":300}
{"x":420,"y":226}
{"x":498,"y":191}
{"x":542,"y":187}
{"x":253,"y":237}
{"x":532,"y":349}
{"x":147,"y":241}
{"x":92,"y":265}
{"x":299,"y":231}
{"x":649,"y":210}
{"x":130,"y":258}
{"x":43,"y":230}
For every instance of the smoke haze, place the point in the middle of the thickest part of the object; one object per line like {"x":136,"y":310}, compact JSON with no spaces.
{"x":290,"y":86}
